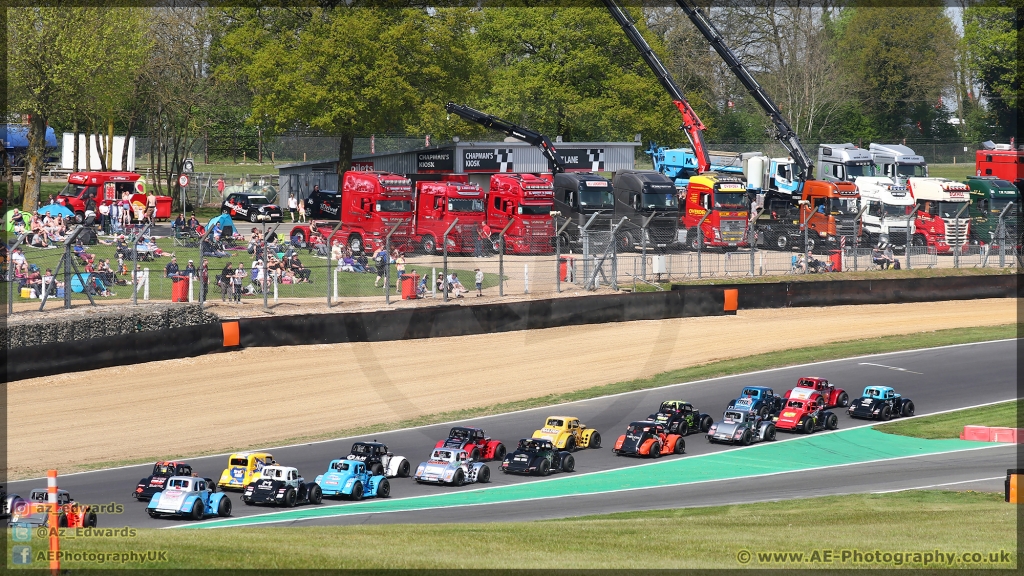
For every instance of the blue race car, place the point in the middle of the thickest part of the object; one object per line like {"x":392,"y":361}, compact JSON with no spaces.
{"x":758,"y":399}
{"x":190,"y":497}
{"x":351,"y":479}
{"x":880,"y":403}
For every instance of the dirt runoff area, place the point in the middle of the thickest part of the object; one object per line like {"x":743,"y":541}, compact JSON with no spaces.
{"x":265,"y":395}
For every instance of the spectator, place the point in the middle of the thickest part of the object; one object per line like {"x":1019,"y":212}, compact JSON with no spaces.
{"x":879,"y":258}
{"x":478,"y":244}
{"x":90,"y":212}
{"x":302,"y":211}
{"x":106,"y":273}
{"x":224,"y":280}
{"x":204,"y":279}
{"x":179,"y":223}
{"x":49,"y":282}
{"x":457,"y":289}
{"x":485,"y":238}
{"x":193,"y":222}
{"x":150,"y":207}
{"x":20,"y":263}
{"x":105,"y":218}
{"x":337,"y":253}
{"x":421,"y":288}
{"x":479,"y":282}
{"x":380,"y":260}
{"x":293,"y":206}
{"x":399,"y":269}
{"x":439,"y":283}
{"x":220,"y":186}
{"x":891,"y":257}
{"x":172,"y":268}
{"x":300,"y":271}
{"x":212,"y":249}
{"x":126,"y":212}
{"x":288,"y":277}
{"x":236,"y":282}
{"x":364,"y":263}
{"x":190,"y":270}
{"x":82,"y":254}
{"x":114,"y":215}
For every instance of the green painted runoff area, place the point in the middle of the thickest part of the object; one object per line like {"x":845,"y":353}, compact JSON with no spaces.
{"x":843,"y":447}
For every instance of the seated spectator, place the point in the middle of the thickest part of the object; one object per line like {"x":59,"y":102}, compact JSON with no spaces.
{"x":421,"y":289}
{"x":82,"y":254}
{"x":38,"y":239}
{"x":363,"y":262}
{"x":288,"y":277}
{"x":212,"y":249}
{"x":172,"y":268}
{"x":301,"y":272}
{"x":20,"y":263}
{"x":878,"y":258}
{"x":179,"y":223}
{"x":347,"y":264}
{"x":439,"y":284}
{"x":457,"y":289}
{"x":106,"y":273}
{"x":193,"y":222}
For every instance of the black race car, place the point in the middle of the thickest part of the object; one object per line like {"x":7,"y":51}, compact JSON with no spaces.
{"x":379,"y":460}
{"x":682,"y":418}
{"x":323,"y":205}
{"x":537,"y":456}
{"x":252,"y":207}
{"x":161,"y":472}
{"x":880,"y":403}
{"x":281,"y":485}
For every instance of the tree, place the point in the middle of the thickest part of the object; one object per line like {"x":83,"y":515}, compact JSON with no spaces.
{"x":988,"y":56}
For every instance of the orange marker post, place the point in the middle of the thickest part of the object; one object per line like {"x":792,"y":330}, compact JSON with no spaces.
{"x":51,"y":489}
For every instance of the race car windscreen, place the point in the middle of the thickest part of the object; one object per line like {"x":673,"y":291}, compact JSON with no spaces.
{"x":341,"y":466}
{"x":394,"y":206}
{"x":238,"y":462}
{"x":459,"y":433}
{"x":638,"y":428}
{"x":360,"y":449}
{"x":464,"y":205}
{"x":751,"y":392}
{"x":442,"y":455}
{"x":554,"y":423}
{"x":734,"y":416}
{"x":179,"y":483}
{"x":795,"y":404}
{"x":163,"y":470}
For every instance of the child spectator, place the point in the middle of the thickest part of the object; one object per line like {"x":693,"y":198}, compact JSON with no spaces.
{"x":479,"y":283}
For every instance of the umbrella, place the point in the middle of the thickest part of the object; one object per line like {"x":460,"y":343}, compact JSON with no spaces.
{"x":56,"y":210}
{"x":9,"y":222}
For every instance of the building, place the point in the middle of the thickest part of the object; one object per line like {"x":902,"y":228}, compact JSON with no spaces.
{"x":478,"y":159}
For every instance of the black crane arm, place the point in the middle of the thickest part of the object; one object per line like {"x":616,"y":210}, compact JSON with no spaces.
{"x":555,"y":162}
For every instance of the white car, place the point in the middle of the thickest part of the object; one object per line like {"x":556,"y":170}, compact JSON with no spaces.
{"x":452,"y":467}
{"x":379,"y":460}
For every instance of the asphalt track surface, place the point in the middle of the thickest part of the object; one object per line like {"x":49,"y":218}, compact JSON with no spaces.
{"x":937,"y":380}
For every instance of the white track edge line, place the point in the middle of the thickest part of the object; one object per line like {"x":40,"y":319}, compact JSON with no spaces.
{"x":937,"y":485}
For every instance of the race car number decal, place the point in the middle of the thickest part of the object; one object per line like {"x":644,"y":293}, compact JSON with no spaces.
{"x":789,"y":414}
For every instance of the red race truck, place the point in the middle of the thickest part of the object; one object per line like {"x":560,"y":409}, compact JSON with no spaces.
{"x":1005,"y":161}
{"x":370,"y":204}
{"x":940,"y":200}
{"x":526,"y":200}
{"x":442,"y":199}
{"x":103,"y":188}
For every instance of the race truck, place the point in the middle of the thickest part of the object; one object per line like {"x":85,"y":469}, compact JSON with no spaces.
{"x":641,"y":195}
{"x":525,"y":200}
{"x":538,"y":457}
{"x":251,"y":207}
{"x":758,"y":399}
{"x":805,"y":412}
{"x":323,"y":205}
{"x":353,"y":480}
{"x":189,"y":497}
{"x":473,"y":440}
{"x":243,"y":468}
{"x":843,"y":162}
{"x":829,"y":208}
{"x":887,"y":218}
{"x":379,"y":460}
{"x":880,"y":403}
{"x":681,"y":418}
{"x":452,"y":467}
{"x":102,"y":188}
{"x":937,"y":226}
{"x":650,"y":439}
{"x":1004,"y":161}
{"x":154,"y":483}
{"x":441,"y":199}
{"x":741,"y":427}
{"x":281,"y":485}
{"x":991,"y":198}
{"x":370,"y":205}
{"x":582,"y":196}
{"x":35,"y":511}
{"x":568,"y":433}
{"x":831,"y":396}
{"x":725,"y":197}
{"x":897,"y":162}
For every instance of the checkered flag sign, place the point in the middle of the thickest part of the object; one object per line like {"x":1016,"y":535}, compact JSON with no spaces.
{"x":596,"y":158}
{"x":504,"y":158}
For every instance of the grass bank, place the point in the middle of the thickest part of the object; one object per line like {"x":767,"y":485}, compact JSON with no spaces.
{"x":714,"y":537}
{"x":950,"y":425}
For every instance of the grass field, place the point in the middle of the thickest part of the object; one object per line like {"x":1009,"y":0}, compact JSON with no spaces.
{"x":950,"y":425}
{"x":762,"y":535}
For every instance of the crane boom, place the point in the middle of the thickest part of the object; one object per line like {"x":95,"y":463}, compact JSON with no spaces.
{"x":786,"y":135}
{"x":692,"y":124}
{"x":555,"y":162}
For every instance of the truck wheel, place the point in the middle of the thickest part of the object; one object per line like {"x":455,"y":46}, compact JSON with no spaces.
{"x":811,"y":243}
{"x":197,"y":510}
{"x":355,"y":244}
{"x":357,"y":492}
{"x":460,"y":478}
{"x":79,"y":217}
{"x":844,"y":400}
{"x":224,"y":507}
{"x":907,"y":409}
{"x":705,"y":423}
{"x":680,"y":446}
{"x":918,"y":241}
{"x":782,"y":242}
{"x":290,"y":497}
{"x":625,"y":242}
{"x":545,"y":468}
{"x":403,"y":469}
{"x":568,"y":463}
{"x":595,"y":441}
{"x":484,"y":475}
{"x":376,"y":469}
{"x":429,"y":244}
{"x":384,"y":489}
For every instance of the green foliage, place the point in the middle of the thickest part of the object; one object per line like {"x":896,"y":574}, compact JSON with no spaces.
{"x":989,"y":48}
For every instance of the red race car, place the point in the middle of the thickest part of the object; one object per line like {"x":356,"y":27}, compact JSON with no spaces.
{"x":833,"y":397}
{"x":474,"y":441}
{"x":648,"y":438}
{"x":805,"y":412}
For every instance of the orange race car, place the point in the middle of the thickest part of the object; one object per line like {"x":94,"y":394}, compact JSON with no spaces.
{"x":648,"y":439}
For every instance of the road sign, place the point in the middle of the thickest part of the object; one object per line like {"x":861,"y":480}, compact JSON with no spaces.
{"x":183,"y":180}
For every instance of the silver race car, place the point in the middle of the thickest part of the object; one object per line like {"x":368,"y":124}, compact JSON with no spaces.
{"x":453,"y":467}
{"x":741,"y":427}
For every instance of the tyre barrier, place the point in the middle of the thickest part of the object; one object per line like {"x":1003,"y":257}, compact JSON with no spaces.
{"x":886,"y":291}
{"x":378,"y":326}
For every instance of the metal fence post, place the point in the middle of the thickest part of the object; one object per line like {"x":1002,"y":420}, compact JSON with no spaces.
{"x":752,"y":239}
{"x":585,"y":240}
{"x":501,"y":259}
{"x":956,"y":235}
{"x":558,"y":256}
{"x":135,"y":265}
{"x":910,"y":239}
{"x":330,"y":246}
{"x":444,"y":239}
{"x":1002,"y":235}
{"x":644,"y":222}
{"x":803,"y":224}
{"x":700,"y":240}
{"x":615,"y":257}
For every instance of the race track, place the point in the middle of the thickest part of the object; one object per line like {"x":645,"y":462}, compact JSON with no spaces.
{"x":936,"y":379}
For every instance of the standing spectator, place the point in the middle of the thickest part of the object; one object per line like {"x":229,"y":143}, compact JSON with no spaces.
{"x":105,"y":218}
{"x":302,"y":211}
{"x":204,"y":279}
{"x":151,"y":207}
{"x":190,"y":270}
{"x":478,"y":244}
{"x":479,"y":283}
{"x":172,"y":268}
{"x":224,"y":281}
{"x":52,"y":200}
{"x":90,"y":212}
{"x":399,"y":269}
{"x":485,"y":239}
{"x":236,"y":282}
{"x":220,"y":187}
{"x":380,"y":260}
{"x":114,"y":216}
{"x":293,"y":206}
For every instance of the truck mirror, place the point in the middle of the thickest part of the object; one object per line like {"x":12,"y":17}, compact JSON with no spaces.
{"x":519,"y":210}
{"x":707,"y":200}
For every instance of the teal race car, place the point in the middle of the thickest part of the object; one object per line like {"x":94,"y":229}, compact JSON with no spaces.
{"x":880,"y":403}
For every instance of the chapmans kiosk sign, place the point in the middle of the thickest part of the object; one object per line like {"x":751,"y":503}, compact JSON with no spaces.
{"x":487,"y":160}
{"x":435,"y":161}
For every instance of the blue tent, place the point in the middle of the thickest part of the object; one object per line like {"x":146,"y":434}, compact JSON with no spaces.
{"x":225,"y":222}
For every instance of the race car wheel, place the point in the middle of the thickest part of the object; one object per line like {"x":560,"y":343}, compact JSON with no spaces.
{"x":153,"y":514}
{"x":655,"y":450}
{"x":595,"y":441}
{"x":290,"y":497}
{"x":808,"y":426}
{"x":886,"y":413}
{"x":568,"y":463}
{"x":403,"y":469}
{"x":475,"y":455}
{"x":545,"y":468}
{"x":376,"y":469}
{"x":680,"y":446}
{"x":570,"y":444}
{"x":90,"y":520}
{"x":763,"y":411}
{"x":62,"y":521}
{"x":460,"y":478}
{"x":197,"y":510}
{"x":247,"y":501}
{"x":907,"y":409}
{"x":384,"y":489}
{"x":315,"y":495}
{"x":705,"y":423}
{"x":832,"y":422}
{"x":745,"y":440}
{"x":769,"y":434}
{"x":224,"y":507}
{"x":499,"y":452}
{"x":484,"y":475}
{"x":357,"y":492}
{"x":844,"y":400}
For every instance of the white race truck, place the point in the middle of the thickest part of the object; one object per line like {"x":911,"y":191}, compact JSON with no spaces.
{"x":888,"y":214}
{"x":844,"y":162}
{"x":897,"y":162}
{"x":939,"y":200}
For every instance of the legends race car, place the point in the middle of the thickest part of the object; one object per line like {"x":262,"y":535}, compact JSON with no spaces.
{"x":741,"y":427}
{"x":880,"y":403}
{"x":351,"y":479}
{"x":833,"y":397}
{"x":805,"y":412}
{"x":538,"y":457}
{"x":453,"y":467}
{"x":154,"y":483}
{"x":243,"y":468}
{"x":650,"y":439}
{"x":281,"y":485}
{"x":379,"y":460}
{"x":568,"y":433}
{"x":681,"y":417}
{"x":35,"y":511}
{"x":474,"y":441}
{"x":759,"y":399}
{"x":189,"y":497}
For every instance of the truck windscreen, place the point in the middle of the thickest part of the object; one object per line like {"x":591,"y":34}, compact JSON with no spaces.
{"x":659,"y":201}
{"x":912,"y":170}
{"x":464,"y":205}
{"x":999,"y":203}
{"x":894,"y":211}
{"x":731,"y":200}
{"x":855,"y":170}
{"x":394,"y":206}
{"x":944,"y":209}
{"x":596,"y":200}
{"x":535,"y":209}
{"x":844,"y":206}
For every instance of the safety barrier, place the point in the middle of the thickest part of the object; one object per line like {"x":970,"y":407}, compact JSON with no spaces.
{"x":993,"y":434}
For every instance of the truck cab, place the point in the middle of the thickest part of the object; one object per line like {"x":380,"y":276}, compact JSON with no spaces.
{"x":830,"y":211}
{"x":102,"y":188}
{"x":887,"y":218}
{"x":439,"y":203}
{"x":939,"y":200}
{"x":639,"y":194}
{"x":844,"y":162}
{"x":990,"y":195}
{"x":580,"y":195}
{"x":526,"y":200}
{"x":1002,"y":160}
{"x":897,"y":162}
{"x":725,"y":197}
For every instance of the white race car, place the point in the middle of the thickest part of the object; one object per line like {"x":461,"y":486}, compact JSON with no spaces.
{"x":453,"y":467}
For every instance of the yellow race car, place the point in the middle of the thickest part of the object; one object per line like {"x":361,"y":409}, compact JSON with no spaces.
{"x":568,"y":433}
{"x":244,"y":467}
